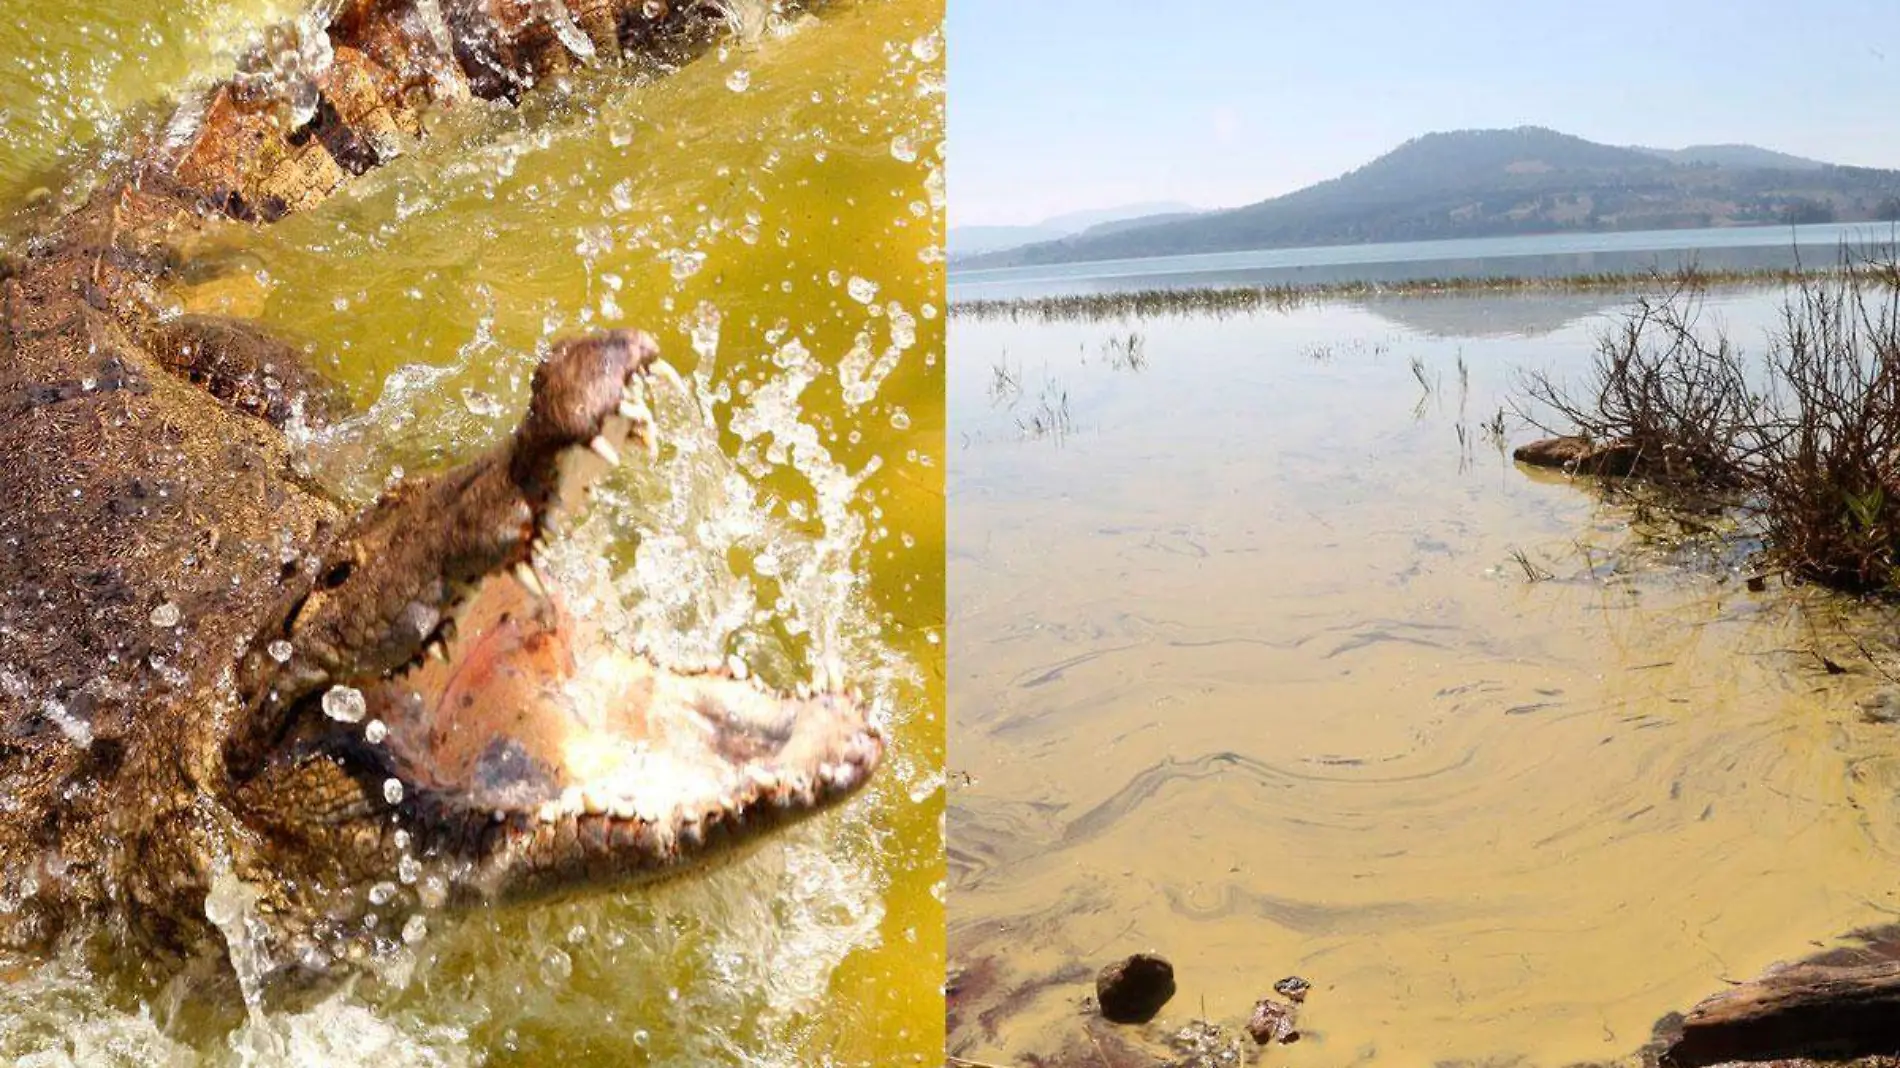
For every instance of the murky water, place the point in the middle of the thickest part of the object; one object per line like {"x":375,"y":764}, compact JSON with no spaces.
{"x":1245,"y":670}
{"x":773,"y":214}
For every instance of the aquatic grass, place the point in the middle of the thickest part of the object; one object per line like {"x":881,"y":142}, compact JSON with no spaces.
{"x":1428,"y":383}
{"x":1050,"y":418}
{"x":1224,"y":301}
{"x":1494,"y":431}
{"x":1006,"y":384}
{"x":1532,"y":572}
{"x":1127,"y":352}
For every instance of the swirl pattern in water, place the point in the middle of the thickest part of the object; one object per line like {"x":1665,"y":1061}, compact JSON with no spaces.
{"x":1270,"y":660}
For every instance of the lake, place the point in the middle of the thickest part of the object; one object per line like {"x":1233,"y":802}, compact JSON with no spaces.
{"x":1266,"y":657}
{"x":1739,"y":248}
{"x":772,"y":215}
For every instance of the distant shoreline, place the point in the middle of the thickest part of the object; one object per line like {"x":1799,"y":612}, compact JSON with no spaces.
{"x":1238,"y":300}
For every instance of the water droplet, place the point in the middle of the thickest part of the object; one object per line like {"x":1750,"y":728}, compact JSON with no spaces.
{"x":408,"y":869}
{"x":479,"y":403}
{"x":926,"y":48}
{"x":686,"y":264}
{"x":862,"y":290}
{"x":165,"y":615}
{"x":279,"y":651}
{"x":381,"y":893}
{"x":556,"y":965}
{"x":345,"y":705}
{"x":903,"y":149}
{"x":739,"y":80}
{"x":900,"y":419}
{"x":415,"y":929}
{"x":375,"y":731}
{"x":392,"y":791}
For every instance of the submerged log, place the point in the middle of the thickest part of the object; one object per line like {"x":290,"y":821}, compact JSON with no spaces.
{"x":1582,"y":456}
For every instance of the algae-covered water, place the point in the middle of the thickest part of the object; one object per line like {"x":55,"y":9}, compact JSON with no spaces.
{"x":773,"y":214}
{"x":1268,"y":658}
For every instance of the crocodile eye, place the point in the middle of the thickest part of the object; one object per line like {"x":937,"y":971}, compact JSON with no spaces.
{"x":336,"y":576}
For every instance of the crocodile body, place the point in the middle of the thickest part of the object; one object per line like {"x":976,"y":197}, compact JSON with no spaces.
{"x":186,"y":624}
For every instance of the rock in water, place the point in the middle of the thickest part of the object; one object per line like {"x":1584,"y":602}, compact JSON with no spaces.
{"x":1133,"y":990}
{"x":1272,"y":1021}
{"x":1293,"y":988}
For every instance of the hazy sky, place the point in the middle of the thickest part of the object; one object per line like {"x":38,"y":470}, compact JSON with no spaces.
{"x":1057,"y":105}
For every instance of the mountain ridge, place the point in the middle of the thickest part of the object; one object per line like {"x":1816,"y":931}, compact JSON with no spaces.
{"x":1485,"y":183}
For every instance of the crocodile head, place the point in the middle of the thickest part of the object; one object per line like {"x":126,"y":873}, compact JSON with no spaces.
{"x":427,"y":703}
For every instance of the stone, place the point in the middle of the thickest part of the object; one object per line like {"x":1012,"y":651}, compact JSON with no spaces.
{"x":1272,"y":1022}
{"x":1132,"y":990}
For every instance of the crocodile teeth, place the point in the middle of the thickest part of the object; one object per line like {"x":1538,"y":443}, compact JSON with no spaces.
{"x":737,"y":667}
{"x":635,"y":411}
{"x":525,"y":574}
{"x":605,"y":450}
{"x":665,"y":370}
{"x":437,"y":653}
{"x":838,"y":775}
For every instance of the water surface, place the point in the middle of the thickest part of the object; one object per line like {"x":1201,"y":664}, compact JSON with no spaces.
{"x":773,"y":215}
{"x":1245,"y":669}
{"x":1732,"y":248}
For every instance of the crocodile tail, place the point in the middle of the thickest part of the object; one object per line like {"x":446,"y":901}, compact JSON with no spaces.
{"x":269,"y":142}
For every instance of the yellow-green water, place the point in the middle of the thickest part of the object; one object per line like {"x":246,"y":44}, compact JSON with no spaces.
{"x":1245,"y":671}
{"x":796,"y":509}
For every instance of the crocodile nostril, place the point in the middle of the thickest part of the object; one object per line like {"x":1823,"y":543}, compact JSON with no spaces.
{"x":337,"y":575}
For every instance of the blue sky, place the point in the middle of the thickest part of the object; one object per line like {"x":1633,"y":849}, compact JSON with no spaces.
{"x":1057,"y":105}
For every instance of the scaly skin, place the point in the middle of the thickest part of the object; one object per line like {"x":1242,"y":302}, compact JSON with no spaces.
{"x":145,"y":471}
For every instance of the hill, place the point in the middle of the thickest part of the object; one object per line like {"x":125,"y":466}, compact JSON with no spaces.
{"x":1484,"y":183}
{"x":971,"y":240}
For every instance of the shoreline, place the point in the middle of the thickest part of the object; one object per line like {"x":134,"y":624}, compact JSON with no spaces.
{"x":1151,"y":303}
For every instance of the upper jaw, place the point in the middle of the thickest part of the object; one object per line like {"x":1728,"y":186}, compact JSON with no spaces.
{"x":384,"y":592}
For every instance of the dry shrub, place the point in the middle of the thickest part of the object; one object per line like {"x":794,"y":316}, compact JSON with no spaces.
{"x":1684,"y":402}
{"x":1808,"y":439}
{"x":1827,"y":481}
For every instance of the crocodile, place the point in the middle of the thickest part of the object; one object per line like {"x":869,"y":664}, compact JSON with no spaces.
{"x":225,"y":695}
